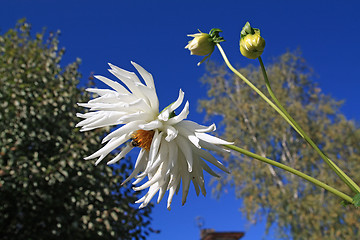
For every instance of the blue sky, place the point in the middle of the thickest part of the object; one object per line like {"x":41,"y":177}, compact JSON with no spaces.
{"x":153,"y":34}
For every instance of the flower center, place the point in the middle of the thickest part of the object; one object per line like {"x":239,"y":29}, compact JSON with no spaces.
{"x":142,"y":138}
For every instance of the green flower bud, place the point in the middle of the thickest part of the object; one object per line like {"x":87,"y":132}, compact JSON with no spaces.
{"x":251,"y":43}
{"x":203,"y":44}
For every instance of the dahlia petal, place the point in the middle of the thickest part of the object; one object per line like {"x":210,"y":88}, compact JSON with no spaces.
{"x":100,"y":92}
{"x":148,"y":78}
{"x":211,"y":159}
{"x":212,"y":147}
{"x":114,"y":85}
{"x":201,"y":183}
{"x":195,"y":127}
{"x":151,"y":125}
{"x":212,"y":139}
{"x":172,"y":191}
{"x":178,"y":101}
{"x":197,"y":189}
{"x":100,"y":159}
{"x":164,"y":115}
{"x":160,"y":158}
{"x":144,"y":116}
{"x":189,"y":135}
{"x":138,"y":179}
{"x":149,"y":183}
{"x":151,"y":193}
{"x":111,"y":145}
{"x":122,"y":154}
{"x":140,"y":104}
{"x":86,"y":115}
{"x":151,"y":97}
{"x":186,"y":150}
{"x":89,"y":117}
{"x":126,"y":129}
{"x":181,"y":116}
{"x":128,"y":78}
{"x":185,"y":186}
{"x":154,"y":147}
{"x":173,"y":155}
{"x":171,"y":133}
{"x":124,"y":74}
{"x":107,"y":119}
{"x":207,"y":168}
{"x":163,"y":189}
{"x":139,"y":166}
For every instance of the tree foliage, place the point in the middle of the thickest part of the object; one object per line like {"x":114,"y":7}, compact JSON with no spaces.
{"x":47,"y":190}
{"x":297,"y":208}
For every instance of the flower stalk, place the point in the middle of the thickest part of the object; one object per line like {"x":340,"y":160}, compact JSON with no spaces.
{"x":254,"y":88}
{"x":281,"y":110}
{"x":296,"y":126}
{"x":338,"y":193}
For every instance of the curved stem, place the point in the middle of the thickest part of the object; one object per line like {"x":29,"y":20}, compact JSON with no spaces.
{"x":293,"y":171}
{"x":254,"y":88}
{"x":332,"y":165}
{"x":278,"y":107}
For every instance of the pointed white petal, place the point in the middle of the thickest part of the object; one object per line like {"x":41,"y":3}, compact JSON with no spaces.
{"x":161,"y":157}
{"x":100,"y":92}
{"x":139,"y":166}
{"x":189,"y":135}
{"x":163,"y":189}
{"x":185,"y":186}
{"x":164,"y":115}
{"x":154,"y":148}
{"x":211,"y":159}
{"x":106,"y":119}
{"x":212,"y":147}
{"x":151,"y":125}
{"x":211,"y":139}
{"x":152,"y":191}
{"x":151,"y":181}
{"x":181,"y":116}
{"x":186,"y":150}
{"x":171,"y":133}
{"x":124,"y":74}
{"x":173,"y":155}
{"x":148,"y":78}
{"x":195,"y":127}
{"x":111,"y":145}
{"x":126,"y":129}
{"x":144,"y":116}
{"x":178,"y":101}
{"x":122,"y":154}
{"x":207,"y":168}
{"x":114,"y":85}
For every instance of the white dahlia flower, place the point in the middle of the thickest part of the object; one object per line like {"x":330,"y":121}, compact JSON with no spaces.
{"x":171,"y":148}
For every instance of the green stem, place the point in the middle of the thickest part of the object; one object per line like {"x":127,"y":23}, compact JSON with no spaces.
{"x":297,"y":127}
{"x":293,"y":171}
{"x":291,"y":121}
{"x":253,"y":87}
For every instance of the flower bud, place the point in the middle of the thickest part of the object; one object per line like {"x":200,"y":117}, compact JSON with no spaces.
{"x":203,"y":44}
{"x":251,"y":43}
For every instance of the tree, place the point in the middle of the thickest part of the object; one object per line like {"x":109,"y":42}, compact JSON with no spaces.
{"x":298,"y":209}
{"x":47,"y":190}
